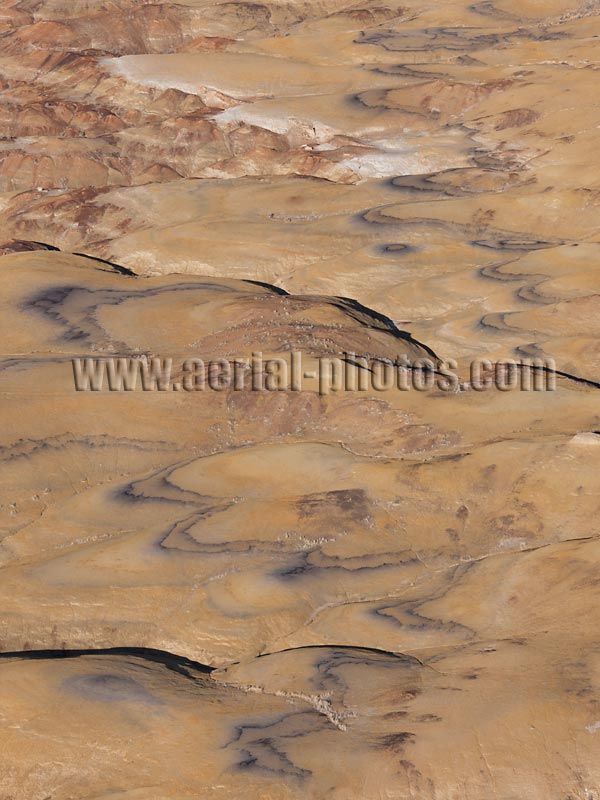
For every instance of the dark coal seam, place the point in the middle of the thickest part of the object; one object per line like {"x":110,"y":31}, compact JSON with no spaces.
{"x":47,"y":246}
{"x":117,"y":267}
{"x":568,"y":376}
{"x":180,"y":664}
{"x":389,"y":324}
{"x":345,"y":648}
{"x":270,"y":286}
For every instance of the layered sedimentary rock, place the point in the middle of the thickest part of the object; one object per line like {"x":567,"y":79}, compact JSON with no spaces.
{"x":255,"y":594}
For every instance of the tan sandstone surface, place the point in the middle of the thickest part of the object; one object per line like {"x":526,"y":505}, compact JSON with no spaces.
{"x":275,"y":595}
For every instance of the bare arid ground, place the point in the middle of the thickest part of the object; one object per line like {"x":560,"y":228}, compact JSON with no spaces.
{"x":246,"y":595}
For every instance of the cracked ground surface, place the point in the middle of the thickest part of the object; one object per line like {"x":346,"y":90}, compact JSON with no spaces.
{"x":245,"y":595}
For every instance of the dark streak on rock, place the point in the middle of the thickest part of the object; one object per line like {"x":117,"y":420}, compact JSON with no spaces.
{"x":179,"y":664}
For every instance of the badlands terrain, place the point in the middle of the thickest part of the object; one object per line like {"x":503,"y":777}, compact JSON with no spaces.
{"x":285,"y":595}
